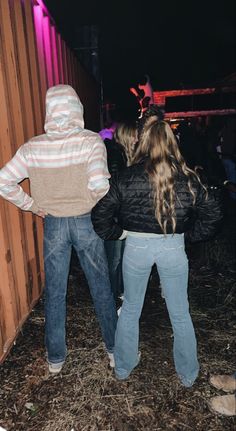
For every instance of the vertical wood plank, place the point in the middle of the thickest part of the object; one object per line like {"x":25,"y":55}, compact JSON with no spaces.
{"x":48,"y":50}
{"x":55,"y":55}
{"x":38,"y":89}
{"x":64,"y":62}
{"x":59,"y":52}
{"x":68,"y":61}
{"x":28,"y":121}
{"x":8,"y":312}
{"x":38,"y":25}
{"x":14,"y":222}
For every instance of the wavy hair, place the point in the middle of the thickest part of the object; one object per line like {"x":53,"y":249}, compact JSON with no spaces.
{"x":164,"y":161}
{"x":126,"y":135}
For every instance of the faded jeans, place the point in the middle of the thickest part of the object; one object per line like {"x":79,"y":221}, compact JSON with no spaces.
{"x":60,"y":234}
{"x":169,"y":255}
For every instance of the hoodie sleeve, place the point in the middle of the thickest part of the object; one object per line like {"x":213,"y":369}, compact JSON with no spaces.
{"x":98,"y":175}
{"x":104,"y":215}
{"x":11,"y":175}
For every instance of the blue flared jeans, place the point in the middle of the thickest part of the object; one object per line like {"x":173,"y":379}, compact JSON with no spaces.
{"x":168,"y":253}
{"x":60,"y":234}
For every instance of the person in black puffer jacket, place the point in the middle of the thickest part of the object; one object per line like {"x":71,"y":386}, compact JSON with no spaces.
{"x":116,"y":157}
{"x":155,"y":202}
{"x":119,"y":153}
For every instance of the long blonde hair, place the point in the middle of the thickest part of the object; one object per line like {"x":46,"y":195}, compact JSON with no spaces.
{"x":126,"y":135}
{"x":164,"y":161}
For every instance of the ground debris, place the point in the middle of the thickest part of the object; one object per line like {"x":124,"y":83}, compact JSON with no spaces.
{"x":87,"y":397}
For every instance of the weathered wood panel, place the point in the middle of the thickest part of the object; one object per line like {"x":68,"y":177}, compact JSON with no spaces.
{"x":32,"y":57}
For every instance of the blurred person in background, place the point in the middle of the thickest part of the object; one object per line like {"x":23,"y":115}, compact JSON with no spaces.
{"x":228,"y":151}
{"x":119,"y":155}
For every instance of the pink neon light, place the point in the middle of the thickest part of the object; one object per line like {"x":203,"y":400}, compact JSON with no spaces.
{"x":43,"y":7}
{"x":50,"y":46}
{"x":38,"y":17}
{"x":48,"y":50}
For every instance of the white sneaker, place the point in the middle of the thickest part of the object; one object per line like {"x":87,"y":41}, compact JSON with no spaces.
{"x":55,"y":368}
{"x":111,"y":359}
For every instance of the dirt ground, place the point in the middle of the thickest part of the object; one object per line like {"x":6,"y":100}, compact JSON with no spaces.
{"x":87,"y":397}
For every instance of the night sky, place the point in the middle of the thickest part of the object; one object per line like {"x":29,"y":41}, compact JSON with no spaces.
{"x":179,"y":44}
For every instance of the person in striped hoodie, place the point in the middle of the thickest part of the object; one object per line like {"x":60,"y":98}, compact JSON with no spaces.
{"x":67,"y":169}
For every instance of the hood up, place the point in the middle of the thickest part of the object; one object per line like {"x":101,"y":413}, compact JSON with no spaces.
{"x":64,"y":111}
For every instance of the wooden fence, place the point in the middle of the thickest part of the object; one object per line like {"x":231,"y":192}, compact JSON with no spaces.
{"x":33,"y":57}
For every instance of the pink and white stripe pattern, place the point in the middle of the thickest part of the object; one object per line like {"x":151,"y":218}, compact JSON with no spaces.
{"x":64,"y":145}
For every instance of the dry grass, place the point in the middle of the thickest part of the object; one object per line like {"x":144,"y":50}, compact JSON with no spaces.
{"x":87,"y":397}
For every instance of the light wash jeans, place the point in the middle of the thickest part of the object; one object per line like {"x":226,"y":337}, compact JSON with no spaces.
{"x":169,"y":255}
{"x":60,"y":234}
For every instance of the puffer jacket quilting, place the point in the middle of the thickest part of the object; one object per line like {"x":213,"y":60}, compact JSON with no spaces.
{"x":130,"y":201}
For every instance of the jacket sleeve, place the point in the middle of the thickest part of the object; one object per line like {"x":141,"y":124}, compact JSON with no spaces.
{"x":97,"y":170}
{"x":208,"y":214}
{"x":11,"y":175}
{"x":104,"y":215}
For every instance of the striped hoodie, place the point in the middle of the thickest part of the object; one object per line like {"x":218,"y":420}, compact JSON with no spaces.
{"x":67,"y":166}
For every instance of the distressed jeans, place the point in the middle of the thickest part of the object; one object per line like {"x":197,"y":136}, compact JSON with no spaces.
{"x":60,"y":234}
{"x":169,"y":255}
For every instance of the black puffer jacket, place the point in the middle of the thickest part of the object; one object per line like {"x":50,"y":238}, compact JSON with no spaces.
{"x":130,"y":201}
{"x":116,"y":158}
